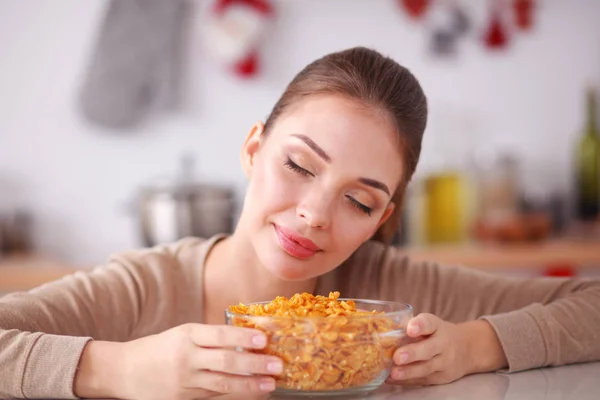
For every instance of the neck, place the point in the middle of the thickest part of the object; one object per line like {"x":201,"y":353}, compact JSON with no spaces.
{"x":234,"y":275}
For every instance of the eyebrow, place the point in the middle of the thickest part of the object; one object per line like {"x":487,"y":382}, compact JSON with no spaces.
{"x":315,"y":147}
{"x":375,"y":184}
{"x":321,"y":153}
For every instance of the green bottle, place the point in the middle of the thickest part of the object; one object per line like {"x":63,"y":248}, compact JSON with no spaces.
{"x":587,"y":166}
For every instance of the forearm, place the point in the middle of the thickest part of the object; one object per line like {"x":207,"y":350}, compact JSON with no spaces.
{"x":99,"y":374}
{"x":483,"y":348}
{"x":38,"y":365}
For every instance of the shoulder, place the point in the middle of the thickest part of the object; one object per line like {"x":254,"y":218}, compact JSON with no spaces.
{"x":368,"y":270}
{"x":374,"y":255}
{"x":163,"y":260}
{"x":389,"y":268}
{"x":181,"y":249}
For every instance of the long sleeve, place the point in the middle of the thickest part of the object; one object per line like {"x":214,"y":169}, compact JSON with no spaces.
{"x":44,"y":331}
{"x":539,"y":322}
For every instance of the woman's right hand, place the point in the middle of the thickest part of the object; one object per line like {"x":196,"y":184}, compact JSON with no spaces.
{"x":186,"y":362}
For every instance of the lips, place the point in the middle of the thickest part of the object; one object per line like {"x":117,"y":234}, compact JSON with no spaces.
{"x":294,"y":244}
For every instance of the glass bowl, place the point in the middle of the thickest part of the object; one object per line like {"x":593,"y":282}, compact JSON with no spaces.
{"x":333,"y":355}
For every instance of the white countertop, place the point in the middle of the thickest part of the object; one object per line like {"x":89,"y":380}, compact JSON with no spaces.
{"x":578,"y":381}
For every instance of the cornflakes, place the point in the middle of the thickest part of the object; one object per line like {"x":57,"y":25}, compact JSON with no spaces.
{"x":342,"y":348}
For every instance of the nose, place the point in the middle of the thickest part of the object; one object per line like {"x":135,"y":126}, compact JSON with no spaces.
{"x":315,"y":210}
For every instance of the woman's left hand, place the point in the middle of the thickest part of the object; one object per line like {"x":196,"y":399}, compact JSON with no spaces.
{"x":444,"y":352}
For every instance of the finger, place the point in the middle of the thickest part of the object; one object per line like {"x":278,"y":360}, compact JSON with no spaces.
{"x":196,"y":393}
{"x":237,"y":362}
{"x":419,"y":351}
{"x":228,"y":383}
{"x":409,"y":382}
{"x":419,"y":369}
{"x":227,"y":336}
{"x":422,"y":325}
{"x":437,"y":378}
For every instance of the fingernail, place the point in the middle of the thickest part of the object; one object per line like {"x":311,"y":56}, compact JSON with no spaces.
{"x":403,"y":358}
{"x":414,"y":329}
{"x":275,"y":367}
{"x":259,"y":341}
{"x":267,"y":386}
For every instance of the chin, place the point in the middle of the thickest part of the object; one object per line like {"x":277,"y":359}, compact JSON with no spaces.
{"x":287,"y":268}
{"x":284,"y":266}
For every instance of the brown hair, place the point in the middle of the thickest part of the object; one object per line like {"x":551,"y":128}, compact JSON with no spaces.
{"x":376,"y":81}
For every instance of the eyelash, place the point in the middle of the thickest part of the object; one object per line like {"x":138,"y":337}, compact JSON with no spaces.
{"x":360,"y":206}
{"x":298,"y":169}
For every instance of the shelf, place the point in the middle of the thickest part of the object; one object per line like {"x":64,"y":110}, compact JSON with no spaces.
{"x":580,"y":254}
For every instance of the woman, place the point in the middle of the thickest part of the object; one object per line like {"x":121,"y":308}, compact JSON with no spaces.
{"x":327,"y":173}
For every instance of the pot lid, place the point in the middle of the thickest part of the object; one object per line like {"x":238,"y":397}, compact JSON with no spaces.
{"x":185,"y":185}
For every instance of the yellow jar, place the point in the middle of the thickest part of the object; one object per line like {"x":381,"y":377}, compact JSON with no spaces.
{"x":445,"y":208}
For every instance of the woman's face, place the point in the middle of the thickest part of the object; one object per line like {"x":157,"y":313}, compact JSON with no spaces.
{"x":320,"y":184}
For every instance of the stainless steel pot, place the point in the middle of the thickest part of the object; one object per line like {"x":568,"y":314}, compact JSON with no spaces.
{"x":170,"y":212}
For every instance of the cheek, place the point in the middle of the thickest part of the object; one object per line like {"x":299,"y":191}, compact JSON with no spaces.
{"x":351,"y":232}
{"x":270,"y":188}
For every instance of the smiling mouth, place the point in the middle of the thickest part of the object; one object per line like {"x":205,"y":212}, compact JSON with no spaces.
{"x":294,"y":244}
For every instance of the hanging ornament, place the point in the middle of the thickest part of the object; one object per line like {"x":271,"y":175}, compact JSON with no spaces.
{"x":444,"y":32}
{"x":461,"y":22}
{"x":496,"y":36}
{"x":443,"y":43}
{"x":415,"y":8}
{"x":234,"y":31}
{"x":523,"y":13}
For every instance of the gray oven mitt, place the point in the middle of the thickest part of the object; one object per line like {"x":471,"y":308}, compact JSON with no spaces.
{"x":134,"y":66}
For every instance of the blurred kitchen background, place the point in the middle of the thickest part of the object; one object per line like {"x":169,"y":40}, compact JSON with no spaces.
{"x":121,"y":123}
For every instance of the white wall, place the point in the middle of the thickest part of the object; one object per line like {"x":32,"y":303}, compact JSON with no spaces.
{"x":76,"y":177}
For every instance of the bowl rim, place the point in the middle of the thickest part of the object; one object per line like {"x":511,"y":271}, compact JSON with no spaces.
{"x":407,"y":308}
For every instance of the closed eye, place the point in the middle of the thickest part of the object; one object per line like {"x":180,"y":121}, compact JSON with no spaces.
{"x":355,"y":203}
{"x":360,"y":206}
{"x":296,"y":168}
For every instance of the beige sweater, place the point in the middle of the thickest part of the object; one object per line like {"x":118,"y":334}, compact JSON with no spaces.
{"x":539,"y":322}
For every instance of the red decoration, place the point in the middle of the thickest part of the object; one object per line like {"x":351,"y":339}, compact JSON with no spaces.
{"x":523,"y":12}
{"x":560,"y":270}
{"x":234,"y":31}
{"x":262,"y":6}
{"x":415,"y":8}
{"x":496,"y":36}
{"x":248,"y":66}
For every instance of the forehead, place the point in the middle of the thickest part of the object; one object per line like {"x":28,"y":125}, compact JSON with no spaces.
{"x":360,"y":138}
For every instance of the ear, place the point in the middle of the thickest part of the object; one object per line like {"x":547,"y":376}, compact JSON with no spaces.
{"x":250,"y":147}
{"x":386,"y":215}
